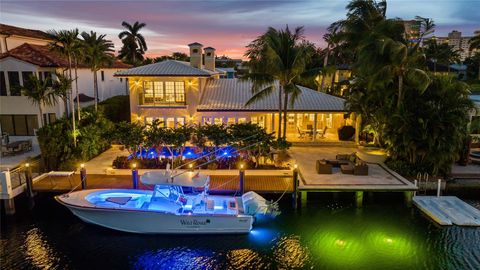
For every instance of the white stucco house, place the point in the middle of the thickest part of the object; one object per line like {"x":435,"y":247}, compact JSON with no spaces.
{"x":25,"y":52}
{"x":194,"y":92}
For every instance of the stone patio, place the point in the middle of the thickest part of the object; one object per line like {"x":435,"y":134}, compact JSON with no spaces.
{"x":379,"y":178}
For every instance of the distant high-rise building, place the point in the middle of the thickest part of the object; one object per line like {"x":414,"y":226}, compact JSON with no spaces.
{"x":412,"y":30}
{"x":462,"y":44}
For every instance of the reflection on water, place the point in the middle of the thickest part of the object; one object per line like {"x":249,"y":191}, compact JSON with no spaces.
{"x":289,"y":252}
{"x":381,"y":236}
{"x":38,"y":251}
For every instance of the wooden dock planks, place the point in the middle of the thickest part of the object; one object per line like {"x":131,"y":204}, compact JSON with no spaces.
{"x":448,"y":210}
{"x":218,"y":183}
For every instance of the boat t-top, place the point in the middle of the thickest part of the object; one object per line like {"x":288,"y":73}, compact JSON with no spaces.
{"x":178,"y":204}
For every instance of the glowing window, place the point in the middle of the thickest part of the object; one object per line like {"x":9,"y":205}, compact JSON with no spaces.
{"x":218,"y":120}
{"x":242,"y":120}
{"x":158,"y":92}
{"x":180,"y":121}
{"x":170,"y":122}
{"x":231,"y":121}
{"x":180,"y":92}
{"x":170,"y":91}
{"x":148,"y":92}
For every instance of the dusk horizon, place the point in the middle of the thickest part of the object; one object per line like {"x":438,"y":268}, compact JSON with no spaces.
{"x":227,"y":26}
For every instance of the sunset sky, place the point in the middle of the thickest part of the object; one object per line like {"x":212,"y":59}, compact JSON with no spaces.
{"x":226,"y":25}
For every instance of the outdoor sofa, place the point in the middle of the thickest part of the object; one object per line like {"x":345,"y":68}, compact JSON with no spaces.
{"x":348,"y":164}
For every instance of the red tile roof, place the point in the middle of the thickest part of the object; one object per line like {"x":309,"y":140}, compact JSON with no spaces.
{"x":44,"y":57}
{"x":18,"y":31}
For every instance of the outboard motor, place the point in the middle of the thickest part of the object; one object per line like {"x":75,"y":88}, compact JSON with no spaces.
{"x":255,"y":204}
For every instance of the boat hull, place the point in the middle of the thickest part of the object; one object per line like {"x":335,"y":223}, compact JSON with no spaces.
{"x":150,"y":222}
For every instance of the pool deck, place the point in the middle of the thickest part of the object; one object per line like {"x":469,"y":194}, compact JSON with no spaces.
{"x":380,"y":178}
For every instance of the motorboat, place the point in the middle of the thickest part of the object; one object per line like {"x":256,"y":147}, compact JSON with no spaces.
{"x":178,"y":204}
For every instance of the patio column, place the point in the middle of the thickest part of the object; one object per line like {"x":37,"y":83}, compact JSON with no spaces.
{"x":273,"y":122}
{"x":314,"y":127}
{"x":358,"y":124}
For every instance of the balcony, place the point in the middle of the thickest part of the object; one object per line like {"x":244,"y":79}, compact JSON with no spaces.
{"x":166,"y":101}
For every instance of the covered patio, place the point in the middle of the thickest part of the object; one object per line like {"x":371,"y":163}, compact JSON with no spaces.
{"x":313,"y":117}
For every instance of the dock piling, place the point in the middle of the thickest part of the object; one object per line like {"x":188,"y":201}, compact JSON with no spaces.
{"x":28,"y":180}
{"x":359,"y":199}
{"x":439,"y":187}
{"x":295,"y":187}
{"x":242,"y":179}
{"x":134,"y":176}
{"x":409,"y":197}
{"x":83,"y":176}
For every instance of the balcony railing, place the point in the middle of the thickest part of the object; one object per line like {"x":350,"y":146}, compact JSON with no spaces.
{"x":160,"y":102}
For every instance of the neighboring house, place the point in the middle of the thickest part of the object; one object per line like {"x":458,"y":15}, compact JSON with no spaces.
{"x":178,"y":93}
{"x":228,"y":73}
{"x":340,"y":79}
{"x":33,"y":57}
{"x":457,"y":70}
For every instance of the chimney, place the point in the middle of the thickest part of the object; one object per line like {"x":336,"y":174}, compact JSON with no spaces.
{"x":210,"y":58}
{"x":196,"y":54}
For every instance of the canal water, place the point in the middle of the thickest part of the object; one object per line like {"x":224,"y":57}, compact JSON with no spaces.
{"x":330,"y":233}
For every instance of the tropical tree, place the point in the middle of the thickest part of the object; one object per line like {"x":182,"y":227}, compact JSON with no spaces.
{"x":66,"y":42}
{"x":97,"y":53}
{"x":62,"y":87}
{"x":475,"y":45}
{"x":131,"y":135}
{"x":134,"y":45}
{"x":40,"y":93}
{"x":428,"y":132}
{"x":277,"y":59}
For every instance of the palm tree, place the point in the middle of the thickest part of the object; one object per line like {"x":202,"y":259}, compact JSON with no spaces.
{"x":65,"y":42}
{"x":278,"y":55}
{"x":332,"y":39}
{"x":475,"y":44}
{"x":134,"y":45}
{"x":39,"y":93}
{"x":78,"y":57}
{"x":97,"y":52}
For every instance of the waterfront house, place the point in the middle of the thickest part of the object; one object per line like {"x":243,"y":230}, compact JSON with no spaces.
{"x":25,"y":52}
{"x":193,"y":92}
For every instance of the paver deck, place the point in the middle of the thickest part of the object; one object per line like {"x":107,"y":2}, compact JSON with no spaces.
{"x":379,"y":178}
{"x":448,"y":210}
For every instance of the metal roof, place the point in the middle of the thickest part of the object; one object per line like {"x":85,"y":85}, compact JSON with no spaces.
{"x":233,"y":94}
{"x":166,"y":68}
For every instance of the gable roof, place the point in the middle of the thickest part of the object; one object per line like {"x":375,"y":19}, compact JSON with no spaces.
{"x":168,"y":68}
{"x":44,"y":57}
{"x":233,"y":94}
{"x":18,"y":31}
{"x":84,"y":98}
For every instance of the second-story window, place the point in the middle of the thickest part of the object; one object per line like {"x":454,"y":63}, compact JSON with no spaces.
{"x":14,"y":81}
{"x":3,"y":85}
{"x":158,"y":93}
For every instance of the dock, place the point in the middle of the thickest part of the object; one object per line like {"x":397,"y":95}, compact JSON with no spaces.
{"x":218,"y":183}
{"x":380,"y":178}
{"x":448,"y":210}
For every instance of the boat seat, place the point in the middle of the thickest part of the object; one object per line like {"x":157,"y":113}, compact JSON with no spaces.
{"x":118,"y":200}
{"x":210,"y":204}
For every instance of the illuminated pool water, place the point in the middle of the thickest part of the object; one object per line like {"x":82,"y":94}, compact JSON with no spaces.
{"x":325,"y":235}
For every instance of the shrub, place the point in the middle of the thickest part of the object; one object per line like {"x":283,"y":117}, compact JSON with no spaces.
{"x":56,"y":140}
